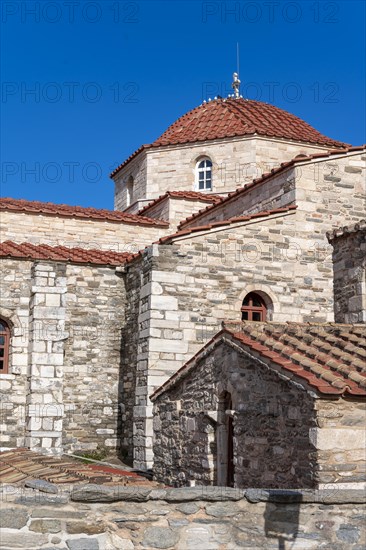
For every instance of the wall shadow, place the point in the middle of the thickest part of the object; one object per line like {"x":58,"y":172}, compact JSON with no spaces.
{"x":281,"y":516}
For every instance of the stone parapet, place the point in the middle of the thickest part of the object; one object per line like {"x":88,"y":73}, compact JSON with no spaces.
{"x":106,"y":518}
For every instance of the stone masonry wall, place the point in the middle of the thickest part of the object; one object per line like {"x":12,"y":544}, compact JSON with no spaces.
{"x":175,"y":210}
{"x":45,"y":409}
{"x":340,"y":439}
{"x":76,"y":232}
{"x":63,"y":390}
{"x":198,"y":282}
{"x":283,"y":436}
{"x":212,"y":518}
{"x":15,"y":288}
{"x":137,"y":168}
{"x":271,"y":426}
{"x":95,"y":316}
{"x":349,"y":264}
{"x":236,"y":161}
{"x":275,"y":193}
{"x":328,"y":192}
{"x":130,"y":350}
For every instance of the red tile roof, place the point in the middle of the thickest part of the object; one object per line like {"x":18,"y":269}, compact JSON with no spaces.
{"x":22,"y":465}
{"x":221,"y":223}
{"x":66,"y":211}
{"x":329,"y":358}
{"x":9,"y":249}
{"x":225,"y":118}
{"x":274,"y":172}
{"x":185,"y":195}
{"x":346,"y":230}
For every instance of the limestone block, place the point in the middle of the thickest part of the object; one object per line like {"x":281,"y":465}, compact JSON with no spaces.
{"x":176,"y":346}
{"x":47,"y":372}
{"x":333,"y":439}
{"x":168,"y":303}
{"x":53,"y":300}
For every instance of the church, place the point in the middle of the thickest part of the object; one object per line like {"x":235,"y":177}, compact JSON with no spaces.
{"x":212,"y":326}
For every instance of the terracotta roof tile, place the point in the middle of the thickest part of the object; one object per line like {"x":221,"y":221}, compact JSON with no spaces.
{"x":9,"y":249}
{"x":225,"y":118}
{"x":296,"y":350}
{"x":20,"y":465}
{"x":169,"y":238}
{"x":186,"y":195}
{"x":274,"y":172}
{"x":63,"y":210}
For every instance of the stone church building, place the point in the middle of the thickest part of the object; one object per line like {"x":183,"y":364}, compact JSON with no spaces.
{"x":237,"y":241}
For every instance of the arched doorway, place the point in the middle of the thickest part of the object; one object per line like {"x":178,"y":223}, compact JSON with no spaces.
{"x":225,"y":442}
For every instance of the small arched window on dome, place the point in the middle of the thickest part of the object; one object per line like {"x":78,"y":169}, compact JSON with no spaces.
{"x":204,"y":175}
{"x":4,"y":346}
{"x":253,"y":308}
{"x":129,"y":191}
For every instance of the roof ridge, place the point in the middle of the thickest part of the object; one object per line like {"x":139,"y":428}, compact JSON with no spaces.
{"x":235,"y":219}
{"x":65,"y":210}
{"x":42,"y":251}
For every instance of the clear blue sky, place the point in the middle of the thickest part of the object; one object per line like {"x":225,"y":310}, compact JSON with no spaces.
{"x":109,"y":76}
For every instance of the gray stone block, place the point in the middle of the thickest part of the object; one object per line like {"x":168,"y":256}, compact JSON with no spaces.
{"x":82,"y":544}
{"x":45,"y":526}
{"x":160,"y":537}
{"x":41,"y":485}
{"x":101,"y":493}
{"x":13,"y":518}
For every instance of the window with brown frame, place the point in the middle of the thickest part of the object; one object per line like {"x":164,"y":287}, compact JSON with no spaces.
{"x":253,"y":308}
{"x":4,"y":346}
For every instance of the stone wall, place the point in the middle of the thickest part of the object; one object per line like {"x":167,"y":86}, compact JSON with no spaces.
{"x":76,"y":232}
{"x":329,"y":192}
{"x":212,"y":518}
{"x":95,"y":317}
{"x":137,"y":168}
{"x":199,"y":281}
{"x":63,"y":390}
{"x":236,"y":161}
{"x":278,"y":192}
{"x":349,"y":264}
{"x":283,"y":436}
{"x":271,"y":426}
{"x":174,"y":210}
{"x":340,"y":439}
{"x":15,"y":289}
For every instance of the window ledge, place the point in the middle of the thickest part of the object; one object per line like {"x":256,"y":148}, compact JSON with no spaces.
{"x":7,"y":376}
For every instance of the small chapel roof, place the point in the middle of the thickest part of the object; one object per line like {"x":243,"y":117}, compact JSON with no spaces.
{"x":328,"y":358}
{"x":236,"y":117}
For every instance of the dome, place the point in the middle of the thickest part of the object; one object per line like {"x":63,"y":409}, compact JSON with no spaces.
{"x":225,"y":118}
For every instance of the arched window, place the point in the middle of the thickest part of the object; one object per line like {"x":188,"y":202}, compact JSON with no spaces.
{"x":204,"y":175}
{"x":253,"y":308}
{"x":129,"y":188}
{"x":4,"y":346}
